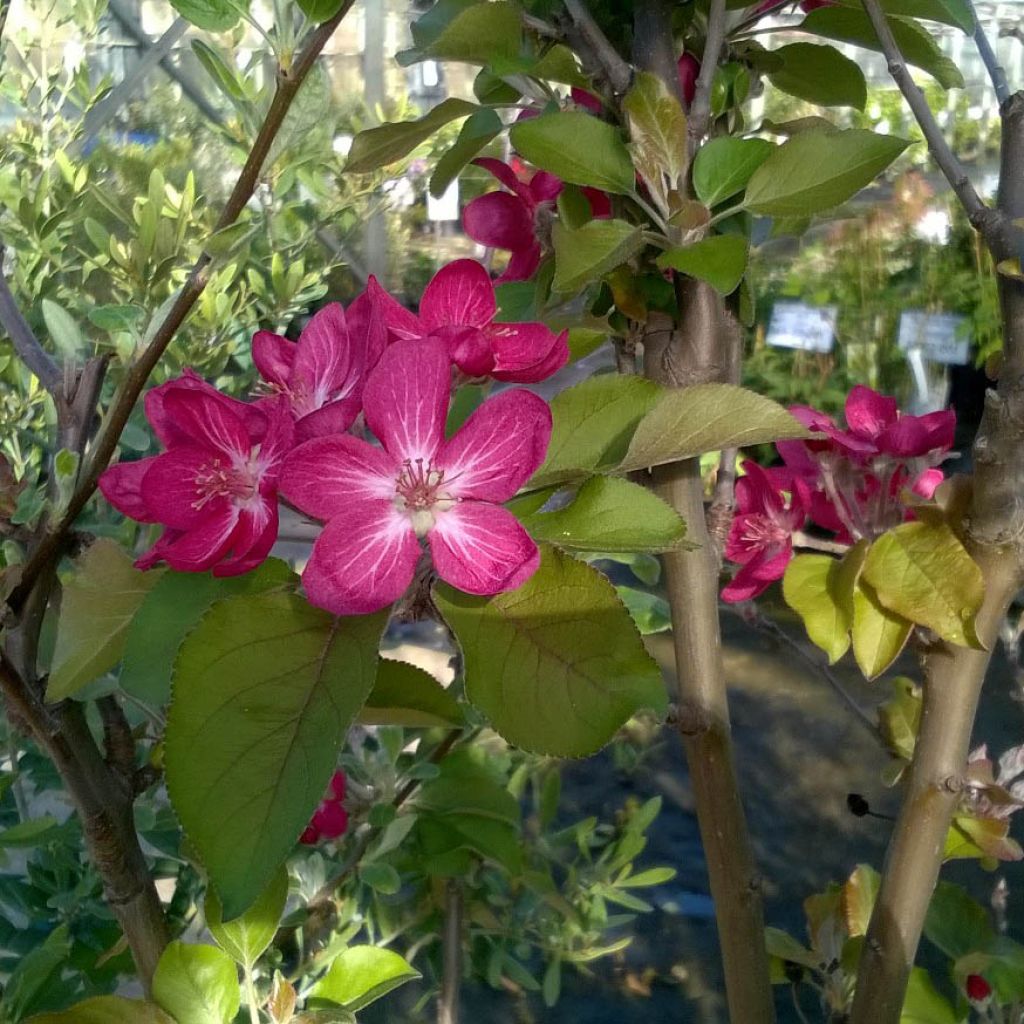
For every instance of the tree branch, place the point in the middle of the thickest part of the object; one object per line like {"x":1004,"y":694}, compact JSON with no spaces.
{"x":26,"y":344}
{"x":591,"y":40}
{"x":700,"y":108}
{"x":289,"y":80}
{"x":451,"y":941}
{"x":983,"y":217}
{"x":995,"y":70}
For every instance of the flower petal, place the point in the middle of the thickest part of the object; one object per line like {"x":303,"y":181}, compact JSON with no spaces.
{"x":744,"y":586}
{"x":868,"y":413}
{"x":363,"y":560}
{"x":332,"y":418}
{"x":170,"y":490}
{"x":913,"y":436}
{"x":406,"y":398}
{"x":500,"y":170}
{"x":367,"y":328}
{"x":399,"y":321}
{"x":323,"y":358}
{"x":545,"y":187}
{"x":482,"y":548}
{"x":273,"y":356}
{"x":252,"y":540}
{"x":202,"y":546}
{"x":330,"y":819}
{"x":527,"y":352}
{"x":586,"y":99}
{"x":202,"y":420}
{"x":755,"y":491}
{"x":121,"y":485}
{"x":469,"y":349}
{"x":600,"y":202}
{"x":499,"y":220}
{"x":498,"y":448}
{"x":460,"y":293}
{"x":165,"y":426}
{"x":324,"y":475}
{"x":522,"y":265}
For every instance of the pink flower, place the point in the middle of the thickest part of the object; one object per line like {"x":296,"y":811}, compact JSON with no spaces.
{"x":215,"y":488}
{"x":330,"y":819}
{"x":587,"y":100}
{"x":689,"y":68}
{"x":458,"y":307}
{"x":761,"y":536}
{"x":378,"y":502}
{"x":321,"y":374}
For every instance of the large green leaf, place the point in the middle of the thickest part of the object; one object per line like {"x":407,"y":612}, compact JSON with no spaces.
{"x":923,"y":1004}
{"x":592,"y":424}
{"x":171,"y":611}
{"x":810,"y":588}
{"x":919,"y":47}
{"x":922,"y":572}
{"x":609,"y":514}
{"x":577,"y":147}
{"x":820,"y":74}
{"x":197,"y":984}
{"x":479,"y":129}
{"x":406,"y":695}
{"x":589,"y":252}
{"x":247,"y":937}
{"x":817,"y":170}
{"x":362,"y":974}
{"x":383,"y":145}
{"x":482,"y":33}
{"x":720,"y":260}
{"x":687,"y":422}
{"x":319,"y":10}
{"x":211,"y":15}
{"x":949,"y":12}
{"x":657,"y":131}
{"x":264,"y":691}
{"x":723,"y":167}
{"x":97,"y":607}
{"x":878,"y":634}
{"x":956,"y":923}
{"x":556,"y":665}
{"x":63,"y":329}
{"x":106,"y":1010}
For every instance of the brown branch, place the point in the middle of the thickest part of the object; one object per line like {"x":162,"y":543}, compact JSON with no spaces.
{"x":451,"y":941}
{"x":996,"y":72}
{"x":723,"y":502}
{"x":289,"y":81}
{"x":28,"y":347}
{"x":589,"y":40}
{"x":700,"y":108}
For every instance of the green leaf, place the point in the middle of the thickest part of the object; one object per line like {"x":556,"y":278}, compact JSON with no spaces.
{"x":949,"y":12}
{"x":171,"y":610}
{"x":592,"y":250}
{"x":720,"y":260}
{"x":247,"y":937}
{"x":593,"y":422}
{"x":97,"y":607}
{"x":284,"y":680}
{"x":116,"y":318}
{"x":63,"y":331}
{"x":382,"y":878}
{"x":820,"y":74}
{"x":918,"y":46}
{"x":818,"y":170}
{"x":319,"y":10}
{"x":724,"y":165}
{"x":106,"y":1010}
{"x":584,"y":340}
{"x":383,"y":145}
{"x":810,"y":588}
{"x":923,"y":1004}
{"x":657,"y":130}
{"x":197,"y":984}
{"x":482,"y":33}
{"x":361,"y":975}
{"x":27,"y":833}
{"x":478,"y":130}
{"x":652,"y":876}
{"x":878,"y":634}
{"x":408,"y":696}
{"x":609,"y":514}
{"x":922,"y":572}
{"x":556,"y":665}
{"x":222,"y":243}
{"x":35,"y":972}
{"x":219,"y":70}
{"x":687,"y":422}
{"x":211,"y":15}
{"x":899,"y":718}
{"x":956,"y":923}
{"x":650,"y":612}
{"x":782,"y":945}
{"x":577,"y":147}
{"x":860,"y":891}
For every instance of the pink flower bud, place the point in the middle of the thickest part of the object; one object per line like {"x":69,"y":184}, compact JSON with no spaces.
{"x":978,"y":989}
{"x":689,"y":69}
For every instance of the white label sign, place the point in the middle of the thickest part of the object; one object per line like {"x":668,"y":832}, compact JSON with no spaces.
{"x":797,"y":325}
{"x":941,"y":336}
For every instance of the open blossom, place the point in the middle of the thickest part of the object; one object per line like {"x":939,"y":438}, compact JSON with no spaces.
{"x":330,"y":819}
{"x":320,"y":376}
{"x":215,"y":488}
{"x":761,"y":537}
{"x":458,"y":308}
{"x":379,"y":502}
{"x":509,"y":220}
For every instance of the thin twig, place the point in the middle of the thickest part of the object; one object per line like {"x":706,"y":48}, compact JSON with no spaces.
{"x":829,"y":547}
{"x":996,"y":71}
{"x":590,"y":36}
{"x":723,"y":501}
{"x":700,"y":108}
{"x":451,"y":941}
{"x":289,"y":81}
{"x":982,"y":216}
{"x":26,"y":344}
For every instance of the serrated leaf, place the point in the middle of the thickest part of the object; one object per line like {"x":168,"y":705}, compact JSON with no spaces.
{"x":820,"y":74}
{"x":810,"y":589}
{"x":878,"y":634}
{"x":246,"y":937}
{"x":818,"y":170}
{"x":477,"y":131}
{"x":361,"y":975}
{"x":383,"y":145}
{"x":723,"y":166}
{"x":922,"y":572}
{"x":197,"y":983}
{"x":721,"y":260}
{"x":284,"y":680}
{"x":686,"y":422}
{"x":556,"y":665}
{"x":591,"y":251}
{"x":98,"y":605}
{"x":657,"y":131}
{"x":609,"y":514}
{"x":578,"y":148}
{"x":406,"y":695}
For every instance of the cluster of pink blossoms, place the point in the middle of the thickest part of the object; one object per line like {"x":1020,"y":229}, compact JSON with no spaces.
{"x":330,"y":819}
{"x":375,"y":366}
{"x":853,"y":483}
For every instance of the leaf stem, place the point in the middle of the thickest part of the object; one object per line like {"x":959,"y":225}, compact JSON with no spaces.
{"x":251,"y":995}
